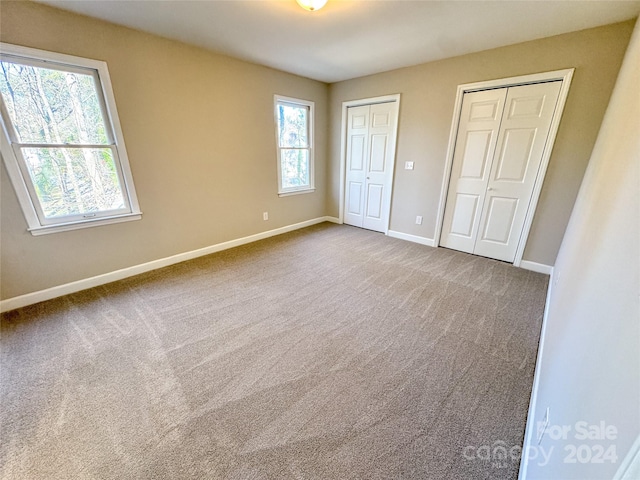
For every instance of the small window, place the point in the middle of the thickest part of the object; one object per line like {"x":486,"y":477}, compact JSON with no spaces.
{"x":62,"y":142}
{"x":294,"y":128}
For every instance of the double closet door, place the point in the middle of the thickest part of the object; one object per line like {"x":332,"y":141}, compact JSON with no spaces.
{"x":371,"y":133}
{"x":499,"y":146}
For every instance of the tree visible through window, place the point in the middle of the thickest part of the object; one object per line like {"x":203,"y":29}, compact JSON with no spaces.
{"x":62,"y":140}
{"x":295,"y":156}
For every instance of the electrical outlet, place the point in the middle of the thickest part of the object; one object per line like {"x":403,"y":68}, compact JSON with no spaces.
{"x":419,"y":220}
{"x":408,"y":165}
{"x":542,"y":426}
{"x":265,"y":215}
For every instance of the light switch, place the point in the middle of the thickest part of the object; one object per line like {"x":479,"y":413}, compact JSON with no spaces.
{"x":408,"y":165}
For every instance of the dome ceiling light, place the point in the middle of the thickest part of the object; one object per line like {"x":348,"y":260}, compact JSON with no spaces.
{"x":312,"y":5}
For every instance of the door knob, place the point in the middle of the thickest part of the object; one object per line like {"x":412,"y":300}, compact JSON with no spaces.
{"x":489,"y":189}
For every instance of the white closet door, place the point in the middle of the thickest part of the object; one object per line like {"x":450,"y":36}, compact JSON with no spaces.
{"x":475,"y":147}
{"x":369,"y":173}
{"x":523,"y":134}
{"x":379,"y":167}
{"x":356,"y":170}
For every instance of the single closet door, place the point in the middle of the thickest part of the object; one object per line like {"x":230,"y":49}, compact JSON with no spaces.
{"x":369,"y":171}
{"x":501,"y":138}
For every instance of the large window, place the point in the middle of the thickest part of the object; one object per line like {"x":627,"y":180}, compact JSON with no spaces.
{"x":294,"y":128}
{"x":62,"y":142}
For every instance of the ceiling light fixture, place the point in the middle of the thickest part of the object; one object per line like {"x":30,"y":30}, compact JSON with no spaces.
{"x":312,"y":5}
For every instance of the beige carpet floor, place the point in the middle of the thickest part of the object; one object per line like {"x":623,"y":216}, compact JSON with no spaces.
{"x":326,"y":353}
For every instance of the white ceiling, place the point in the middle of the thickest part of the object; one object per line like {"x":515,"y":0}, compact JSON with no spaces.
{"x":353,"y":38}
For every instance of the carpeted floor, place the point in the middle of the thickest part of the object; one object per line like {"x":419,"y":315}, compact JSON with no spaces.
{"x":326,"y":353}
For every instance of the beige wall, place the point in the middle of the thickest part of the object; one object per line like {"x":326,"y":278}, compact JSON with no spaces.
{"x":428,"y":94}
{"x":199,"y":132}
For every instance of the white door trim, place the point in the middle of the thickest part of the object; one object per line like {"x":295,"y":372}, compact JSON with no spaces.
{"x":343,"y":146}
{"x":565,"y":76}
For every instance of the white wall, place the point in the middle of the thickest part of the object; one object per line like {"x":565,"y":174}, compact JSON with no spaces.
{"x":589,"y":365}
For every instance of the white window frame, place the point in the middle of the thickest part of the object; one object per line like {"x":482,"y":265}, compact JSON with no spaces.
{"x":279,"y":99}
{"x":16,"y":167}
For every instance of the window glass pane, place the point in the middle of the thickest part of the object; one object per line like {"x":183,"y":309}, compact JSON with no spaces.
{"x":52,"y":106}
{"x":292,"y":125}
{"x":295,"y":168}
{"x":74,"y":181}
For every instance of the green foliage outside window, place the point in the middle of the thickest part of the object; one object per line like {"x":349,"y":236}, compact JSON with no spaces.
{"x":58,"y":119}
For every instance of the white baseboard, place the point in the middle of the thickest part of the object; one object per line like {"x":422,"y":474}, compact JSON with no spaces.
{"x":430,"y":242}
{"x":526,"y":264}
{"x":333,"y":220}
{"x":67,"y":288}
{"x":536,"y":267}
{"x":530,"y":427}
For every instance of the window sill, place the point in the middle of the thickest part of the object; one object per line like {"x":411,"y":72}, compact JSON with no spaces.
{"x":296,"y":192}
{"x":64,"y":227}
